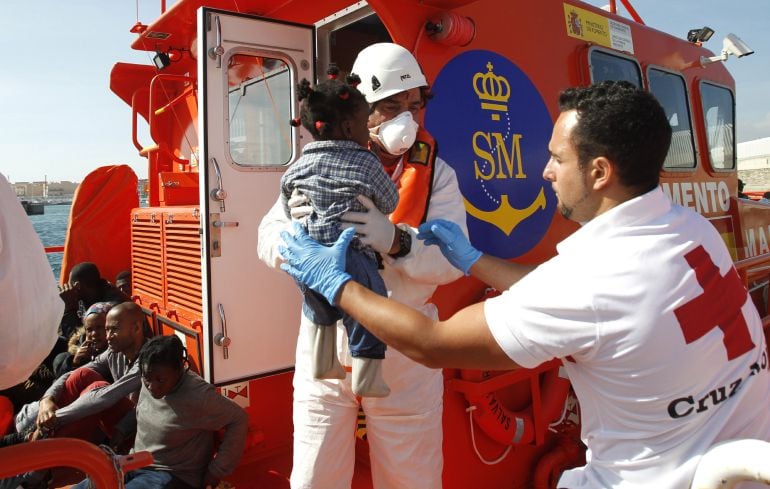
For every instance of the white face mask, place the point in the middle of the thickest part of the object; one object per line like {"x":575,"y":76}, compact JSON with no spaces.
{"x":397,"y":135}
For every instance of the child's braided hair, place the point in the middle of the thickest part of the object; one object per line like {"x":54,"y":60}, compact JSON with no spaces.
{"x":328,"y":104}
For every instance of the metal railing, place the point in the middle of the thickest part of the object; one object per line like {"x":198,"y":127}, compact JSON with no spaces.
{"x":756,"y":270}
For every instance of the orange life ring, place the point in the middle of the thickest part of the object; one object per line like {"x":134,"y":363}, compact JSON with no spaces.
{"x":509,"y":427}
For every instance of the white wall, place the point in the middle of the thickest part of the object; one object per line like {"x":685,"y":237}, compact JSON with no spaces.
{"x":754,"y":164}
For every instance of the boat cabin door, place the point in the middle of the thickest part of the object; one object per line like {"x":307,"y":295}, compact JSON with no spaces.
{"x":247,"y":70}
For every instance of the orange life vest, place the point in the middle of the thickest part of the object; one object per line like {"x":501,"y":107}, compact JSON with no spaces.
{"x":415,"y":184}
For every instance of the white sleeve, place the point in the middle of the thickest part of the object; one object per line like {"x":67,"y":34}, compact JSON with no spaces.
{"x":424,"y":263}
{"x":543,"y":316}
{"x":29,"y":297}
{"x":269,"y":234}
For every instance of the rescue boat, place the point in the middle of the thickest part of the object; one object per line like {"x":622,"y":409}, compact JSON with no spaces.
{"x":217,"y":104}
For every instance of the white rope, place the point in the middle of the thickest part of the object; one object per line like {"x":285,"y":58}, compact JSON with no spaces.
{"x":558,"y":421}
{"x":499,"y":459}
{"x":115,"y":464}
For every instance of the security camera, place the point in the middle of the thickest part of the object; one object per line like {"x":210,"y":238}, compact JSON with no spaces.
{"x":733,"y":44}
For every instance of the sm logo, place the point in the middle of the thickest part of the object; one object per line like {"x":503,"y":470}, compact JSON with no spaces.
{"x":493,"y":128}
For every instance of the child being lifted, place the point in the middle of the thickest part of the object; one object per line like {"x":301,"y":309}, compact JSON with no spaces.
{"x":333,"y":170}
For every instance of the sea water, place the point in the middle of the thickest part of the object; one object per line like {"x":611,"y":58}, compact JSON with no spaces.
{"x":52,"y":228}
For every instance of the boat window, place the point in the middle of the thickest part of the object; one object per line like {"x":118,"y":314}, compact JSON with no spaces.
{"x":343,"y":35}
{"x":718,"y":105}
{"x":605,"y":66}
{"x":669,"y":89}
{"x":259,"y":100}
{"x":346,"y":42}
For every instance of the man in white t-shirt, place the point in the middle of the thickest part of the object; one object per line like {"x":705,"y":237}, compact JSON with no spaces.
{"x":661,"y":341}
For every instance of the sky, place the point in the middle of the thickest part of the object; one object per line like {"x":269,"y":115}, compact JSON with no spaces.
{"x":59,"y":120}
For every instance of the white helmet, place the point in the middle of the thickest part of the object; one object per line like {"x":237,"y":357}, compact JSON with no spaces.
{"x":386,"y":69}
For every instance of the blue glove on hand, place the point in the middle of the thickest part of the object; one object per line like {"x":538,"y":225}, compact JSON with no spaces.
{"x":450,"y":238}
{"x":322,"y":268}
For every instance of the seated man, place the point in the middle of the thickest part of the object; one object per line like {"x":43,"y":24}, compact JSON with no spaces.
{"x":123,"y":282}
{"x":82,"y":404}
{"x":85,"y":287}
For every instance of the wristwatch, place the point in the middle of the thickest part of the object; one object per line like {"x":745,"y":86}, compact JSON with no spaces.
{"x":404,"y":243}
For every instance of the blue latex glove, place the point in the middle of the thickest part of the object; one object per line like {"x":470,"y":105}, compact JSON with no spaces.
{"x":450,"y":238}
{"x":322,"y":268}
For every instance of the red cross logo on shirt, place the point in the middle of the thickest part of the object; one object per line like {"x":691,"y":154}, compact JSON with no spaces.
{"x":718,"y":307}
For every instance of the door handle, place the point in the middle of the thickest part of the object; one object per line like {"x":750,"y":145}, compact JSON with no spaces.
{"x":225,"y":224}
{"x":216,"y":51}
{"x":218,"y":193}
{"x":221,"y":339}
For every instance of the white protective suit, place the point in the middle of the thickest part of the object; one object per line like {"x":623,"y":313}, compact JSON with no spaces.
{"x":30,"y":303}
{"x":404,"y":429}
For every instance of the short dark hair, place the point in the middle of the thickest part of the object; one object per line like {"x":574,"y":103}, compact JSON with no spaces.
{"x":86,"y":273}
{"x":162,"y":350}
{"x":624,"y":124}
{"x":327,"y":105}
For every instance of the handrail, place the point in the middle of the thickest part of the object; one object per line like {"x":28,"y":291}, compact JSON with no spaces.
{"x":179,"y":98}
{"x":104,"y":471}
{"x":155,"y":112}
{"x":747,"y":264}
{"x":134,"y":112}
{"x":629,"y":7}
{"x":469,"y":387}
{"x":754,"y":269}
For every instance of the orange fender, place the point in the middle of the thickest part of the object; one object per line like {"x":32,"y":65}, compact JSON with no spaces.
{"x":69,"y":452}
{"x":509,"y":427}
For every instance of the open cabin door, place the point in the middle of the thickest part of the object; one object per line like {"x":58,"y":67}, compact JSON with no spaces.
{"x":248,"y":68}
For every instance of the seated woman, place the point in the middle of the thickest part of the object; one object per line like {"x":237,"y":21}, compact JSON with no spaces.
{"x":177,"y":418}
{"x":86,"y":342}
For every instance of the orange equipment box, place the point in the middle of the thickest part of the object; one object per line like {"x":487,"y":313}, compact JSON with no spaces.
{"x":178,"y":188}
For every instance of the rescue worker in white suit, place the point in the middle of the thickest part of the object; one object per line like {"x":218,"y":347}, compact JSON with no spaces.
{"x":409,"y":420}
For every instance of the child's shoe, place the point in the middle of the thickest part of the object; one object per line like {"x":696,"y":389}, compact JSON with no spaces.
{"x":326,"y":365}
{"x":367,"y":378}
